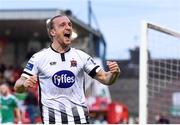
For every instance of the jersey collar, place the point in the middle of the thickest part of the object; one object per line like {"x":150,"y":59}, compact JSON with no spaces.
{"x":57,"y":51}
{"x":6,"y":97}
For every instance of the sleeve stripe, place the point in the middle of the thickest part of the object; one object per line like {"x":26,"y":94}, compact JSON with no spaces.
{"x":24,"y":72}
{"x":93,"y":72}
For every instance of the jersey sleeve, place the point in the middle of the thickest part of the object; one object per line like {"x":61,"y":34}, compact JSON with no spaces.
{"x":31,"y":67}
{"x":90,"y":66}
{"x":14,"y":102}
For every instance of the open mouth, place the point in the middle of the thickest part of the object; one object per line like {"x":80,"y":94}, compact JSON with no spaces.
{"x":67,"y":35}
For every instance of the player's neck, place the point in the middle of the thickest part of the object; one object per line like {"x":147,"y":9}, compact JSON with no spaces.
{"x":6,"y":94}
{"x":59,"y":48}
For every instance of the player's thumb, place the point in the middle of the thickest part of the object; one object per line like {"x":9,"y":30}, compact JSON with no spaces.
{"x":35,"y":77}
{"x":108,"y":62}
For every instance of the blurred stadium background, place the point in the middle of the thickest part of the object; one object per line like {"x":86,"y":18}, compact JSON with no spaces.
{"x":23,"y":32}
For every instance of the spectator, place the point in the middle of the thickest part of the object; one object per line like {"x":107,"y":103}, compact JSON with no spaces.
{"x":1,"y":78}
{"x":8,"y":75}
{"x":2,"y":68}
{"x":31,"y":102}
{"x":8,"y":105}
{"x":161,"y":119}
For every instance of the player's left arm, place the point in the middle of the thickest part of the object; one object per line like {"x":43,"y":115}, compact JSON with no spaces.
{"x":109,"y":77}
{"x":18,"y":115}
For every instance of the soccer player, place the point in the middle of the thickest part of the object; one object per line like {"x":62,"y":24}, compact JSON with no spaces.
{"x":8,"y":106}
{"x":59,"y":71}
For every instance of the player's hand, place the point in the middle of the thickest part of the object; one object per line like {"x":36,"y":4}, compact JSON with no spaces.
{"x":30,"y":82}
{"x":19,"y":122}
{"x":113,"y":67}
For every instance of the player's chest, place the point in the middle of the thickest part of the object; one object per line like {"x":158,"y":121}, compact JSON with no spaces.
{"x":6,"y":103}
{"x":54,"y":66}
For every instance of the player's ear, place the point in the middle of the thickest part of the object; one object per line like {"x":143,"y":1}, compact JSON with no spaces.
{"x":52,"y":32}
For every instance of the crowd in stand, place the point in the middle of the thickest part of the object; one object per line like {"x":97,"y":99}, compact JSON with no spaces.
{"x":16,"y":107}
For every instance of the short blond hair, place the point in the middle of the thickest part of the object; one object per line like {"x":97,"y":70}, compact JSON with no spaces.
{"x":49,"y":24}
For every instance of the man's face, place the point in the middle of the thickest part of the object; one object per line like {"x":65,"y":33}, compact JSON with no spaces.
{"x":62,"y":30}
{"x":4,"y":89}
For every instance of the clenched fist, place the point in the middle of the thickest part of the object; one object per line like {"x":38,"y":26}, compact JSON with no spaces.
{"x":113,"y":67}
{"x":30,"y":82}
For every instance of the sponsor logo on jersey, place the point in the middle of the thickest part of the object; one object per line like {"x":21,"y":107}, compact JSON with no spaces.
{"x":73,"y":63}
{"x":63,"y":79}
{"x":29,"y":66}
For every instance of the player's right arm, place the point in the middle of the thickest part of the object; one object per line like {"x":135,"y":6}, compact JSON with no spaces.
{"x":23,"y":83}
{"x":29,"y":75}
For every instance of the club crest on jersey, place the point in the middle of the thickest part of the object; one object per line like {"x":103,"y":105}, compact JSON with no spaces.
{"x":73,"y":63}
{"x":63,"y":79}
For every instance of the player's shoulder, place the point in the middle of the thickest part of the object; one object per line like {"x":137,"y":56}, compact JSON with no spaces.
{"x":80,"y":52}
{"x":40,"y":54}
{"x":12,"y":97}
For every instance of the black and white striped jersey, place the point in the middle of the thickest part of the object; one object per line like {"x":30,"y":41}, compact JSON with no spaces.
{"x":61,"y":83}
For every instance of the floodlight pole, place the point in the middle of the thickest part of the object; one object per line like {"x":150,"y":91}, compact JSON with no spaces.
{"x":89,"y":12}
